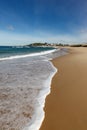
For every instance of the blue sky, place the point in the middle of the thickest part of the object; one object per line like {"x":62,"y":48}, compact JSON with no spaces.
{"x":27,"y":21}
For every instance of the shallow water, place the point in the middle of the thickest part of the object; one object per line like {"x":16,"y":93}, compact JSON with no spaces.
{"x":24,"y":84}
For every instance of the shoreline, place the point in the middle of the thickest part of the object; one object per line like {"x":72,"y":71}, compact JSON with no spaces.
{"x":39,"y":114}
{"x":37,"y":121}
{"x":42,"y":83}
{"x":66,"y":106}
{"x":28,"y":96}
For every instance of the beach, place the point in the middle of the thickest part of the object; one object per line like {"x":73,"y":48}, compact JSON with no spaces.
{"x":66,"y":105}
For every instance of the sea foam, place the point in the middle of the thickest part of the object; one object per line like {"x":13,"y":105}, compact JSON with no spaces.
{"x":39,"y":113}
{"x":25,"y":80}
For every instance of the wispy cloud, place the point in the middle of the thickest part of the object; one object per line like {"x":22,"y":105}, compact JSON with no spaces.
{"x":10,"y":27}
{"x":82,"y":31}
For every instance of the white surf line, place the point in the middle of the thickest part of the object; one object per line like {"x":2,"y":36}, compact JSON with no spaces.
{"x":28,"y":55}
{"x":39,"y":114}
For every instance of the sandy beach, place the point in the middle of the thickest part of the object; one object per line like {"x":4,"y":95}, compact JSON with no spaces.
{"x":66,"y":106}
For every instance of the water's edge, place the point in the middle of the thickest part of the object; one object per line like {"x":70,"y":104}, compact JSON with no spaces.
{"x":25,"y":83}
{"x":39,"y":114}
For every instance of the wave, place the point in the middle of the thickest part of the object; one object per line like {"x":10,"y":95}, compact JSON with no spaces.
{"x":28,"y":55}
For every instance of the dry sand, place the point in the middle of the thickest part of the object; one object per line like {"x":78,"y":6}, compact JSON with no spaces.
{"x":66,"y":106}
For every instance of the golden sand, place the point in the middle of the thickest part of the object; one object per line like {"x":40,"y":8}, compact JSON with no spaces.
{"x":66,"y":106}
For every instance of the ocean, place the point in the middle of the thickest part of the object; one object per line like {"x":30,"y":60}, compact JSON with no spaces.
{"x":25,"y":80}
{"x":7,"y":51}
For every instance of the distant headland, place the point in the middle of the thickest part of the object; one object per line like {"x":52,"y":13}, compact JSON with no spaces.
{"x":55,"y":45}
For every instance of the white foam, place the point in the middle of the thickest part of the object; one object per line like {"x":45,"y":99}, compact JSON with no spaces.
{"x":39,"y":77}
{"x":28,"y":55}
{"x":39,"y":114}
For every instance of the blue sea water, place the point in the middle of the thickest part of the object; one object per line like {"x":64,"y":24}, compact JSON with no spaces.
{"x":7,"y":51}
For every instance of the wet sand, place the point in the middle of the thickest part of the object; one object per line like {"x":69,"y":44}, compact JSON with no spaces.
{"x":66,"y":106}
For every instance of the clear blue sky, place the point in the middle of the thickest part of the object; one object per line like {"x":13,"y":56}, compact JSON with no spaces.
{"x":26,"y":21}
